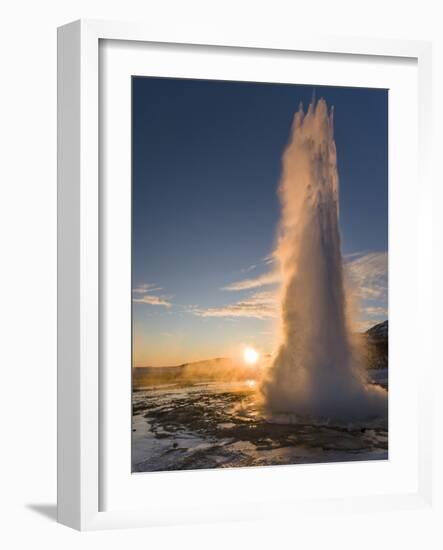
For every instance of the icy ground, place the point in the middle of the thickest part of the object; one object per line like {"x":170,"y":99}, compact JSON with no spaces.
{"x":219,"y":424}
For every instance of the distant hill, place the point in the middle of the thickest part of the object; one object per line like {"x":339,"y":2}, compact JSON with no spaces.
{"x":377,"y":346}
{"x":220,"y":368}
{"x":379,"y":331}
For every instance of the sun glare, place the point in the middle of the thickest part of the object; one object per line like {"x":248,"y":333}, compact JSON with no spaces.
{"x":250,"y":356}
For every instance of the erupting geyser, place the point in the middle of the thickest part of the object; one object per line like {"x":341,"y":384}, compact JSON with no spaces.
{"x":316,"y":372}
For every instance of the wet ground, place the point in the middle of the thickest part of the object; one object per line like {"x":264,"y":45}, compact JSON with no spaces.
{"x":220,"y":424}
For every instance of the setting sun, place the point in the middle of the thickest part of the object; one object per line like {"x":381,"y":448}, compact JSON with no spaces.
{"x":250,"y":356}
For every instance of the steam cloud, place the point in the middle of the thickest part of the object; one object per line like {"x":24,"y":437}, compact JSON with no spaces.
{"x":316,"y":371}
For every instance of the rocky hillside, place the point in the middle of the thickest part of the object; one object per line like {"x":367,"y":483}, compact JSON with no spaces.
{"x":378,"y":332}
{"x":377,"y":346}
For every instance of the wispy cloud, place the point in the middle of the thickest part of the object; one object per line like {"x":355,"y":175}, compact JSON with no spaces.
{"x":373,"y":311}
{"x":249,"y":268}
{"x":368,"y":274}
{"x":152,"y":300}
{"x":367,"y":271}
{"x":144,"y":295}
{"x":265,"y":279}
{"x":261,"y":305}
{"x":270,"y":277}
{"x":146,"y":287}
{"x":269,"y":259}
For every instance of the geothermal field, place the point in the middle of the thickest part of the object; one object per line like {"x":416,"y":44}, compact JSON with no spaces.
{"x":184,"y":424}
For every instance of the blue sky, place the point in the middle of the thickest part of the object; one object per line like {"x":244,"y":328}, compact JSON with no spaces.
{"x":206,"y":165}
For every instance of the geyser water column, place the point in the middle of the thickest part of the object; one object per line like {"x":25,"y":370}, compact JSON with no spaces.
{"x":316,"y":372}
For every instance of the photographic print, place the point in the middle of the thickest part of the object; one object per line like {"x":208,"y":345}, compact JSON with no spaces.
{"x":259,"y":274}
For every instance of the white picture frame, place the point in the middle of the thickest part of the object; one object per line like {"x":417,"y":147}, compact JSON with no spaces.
{"x":80,"y":422}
